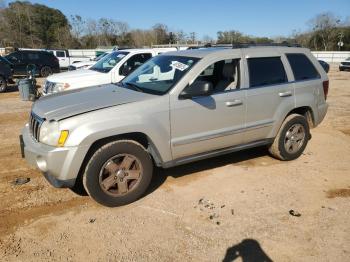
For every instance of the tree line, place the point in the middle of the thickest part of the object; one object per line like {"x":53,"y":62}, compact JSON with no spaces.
{"x":24,"y":24}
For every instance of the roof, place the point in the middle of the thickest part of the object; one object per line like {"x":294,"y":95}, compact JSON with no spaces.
{"x":200,"y":53}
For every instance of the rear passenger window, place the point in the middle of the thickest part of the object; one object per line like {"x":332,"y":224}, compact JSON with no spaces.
{"x":33,"y":56}
{"x":302,"y":67}
{"x":60,"y":54}
{"x":266,"y":71}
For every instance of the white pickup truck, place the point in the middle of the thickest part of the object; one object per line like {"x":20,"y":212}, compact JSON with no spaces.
{"x":110,"y":69}
{"x":65,"y":59}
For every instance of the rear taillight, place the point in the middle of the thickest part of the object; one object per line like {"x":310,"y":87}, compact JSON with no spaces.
{"x":325,"y":88}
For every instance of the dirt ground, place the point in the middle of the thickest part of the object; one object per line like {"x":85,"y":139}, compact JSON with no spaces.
{"x":235,"y":206}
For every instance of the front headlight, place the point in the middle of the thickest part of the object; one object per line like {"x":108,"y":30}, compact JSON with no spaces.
{"x":51,"y":135}
{"x":58,"y":87}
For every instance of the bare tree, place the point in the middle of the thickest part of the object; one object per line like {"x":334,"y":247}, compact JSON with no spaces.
{"x":207,"y":39}
{"x":78,"y":25}
{"x":325,"y":25}
{"x":193,"y":37}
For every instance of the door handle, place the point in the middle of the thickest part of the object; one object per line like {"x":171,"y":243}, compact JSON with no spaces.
{"x":285,"y":94}
{"x":234,"y":103}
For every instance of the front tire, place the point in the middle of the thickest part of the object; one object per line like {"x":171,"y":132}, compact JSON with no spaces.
{"x":45,"y":71}
{"x":3,"y":84}
{"x":291,"y":139}
{"x":118,"y":173}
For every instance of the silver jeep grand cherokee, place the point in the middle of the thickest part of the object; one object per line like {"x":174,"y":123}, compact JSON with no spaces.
{"x":176,"y":108}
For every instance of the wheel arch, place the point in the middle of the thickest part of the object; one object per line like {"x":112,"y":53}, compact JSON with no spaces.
{"x":305,"y":111}
{"x":139,"y":137}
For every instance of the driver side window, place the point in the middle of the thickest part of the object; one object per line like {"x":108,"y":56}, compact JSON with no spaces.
{"x":15,"y":57}
{"x":134,"y":62}
{"x":224,"y":75}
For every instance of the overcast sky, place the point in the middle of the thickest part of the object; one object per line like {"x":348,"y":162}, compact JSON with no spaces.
{"x":254,"y":17}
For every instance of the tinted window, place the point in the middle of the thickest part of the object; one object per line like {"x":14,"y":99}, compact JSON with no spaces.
{"x":60,"y":54}
{"x":135,"y":61}
{"x":14,"y":57}
{"x":32,"y":56}
{"x":266,"y":71}
{"x":302,"y":67}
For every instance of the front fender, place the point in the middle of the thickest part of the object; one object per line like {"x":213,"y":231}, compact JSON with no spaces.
{"x":153,"y":121}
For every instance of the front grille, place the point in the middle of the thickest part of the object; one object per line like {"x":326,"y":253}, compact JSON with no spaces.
{"x":48,"y":87}
{"x":35,"y":123}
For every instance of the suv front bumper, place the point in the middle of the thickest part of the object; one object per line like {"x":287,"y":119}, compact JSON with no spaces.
{"x":59,"y":165}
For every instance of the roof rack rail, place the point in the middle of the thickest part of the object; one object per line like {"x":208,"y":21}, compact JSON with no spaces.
{"x":246,"y":45}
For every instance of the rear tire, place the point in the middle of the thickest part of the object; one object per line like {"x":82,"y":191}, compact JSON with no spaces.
{"x":45,"y":71}
{"x":118,"y":173}
{"x":291,"y":139}
{"x":3,"y":84}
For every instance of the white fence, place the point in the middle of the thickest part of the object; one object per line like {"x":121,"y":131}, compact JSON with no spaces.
{"x":331,"y":57}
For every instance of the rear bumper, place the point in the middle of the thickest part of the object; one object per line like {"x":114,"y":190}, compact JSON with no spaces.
{"x":60,"y":166}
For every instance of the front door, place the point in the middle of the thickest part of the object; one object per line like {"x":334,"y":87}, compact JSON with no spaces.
{"x":204,"y":124}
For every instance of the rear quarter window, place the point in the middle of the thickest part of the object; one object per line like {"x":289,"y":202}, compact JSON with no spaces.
{"x":302,"y":67}
{"x":266,"y":71}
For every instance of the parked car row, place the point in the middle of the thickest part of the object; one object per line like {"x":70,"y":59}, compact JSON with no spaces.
{"x":171,"y":109}
{"x":111,"y":68}
{"x":66,"y":60}
{"x":345,"y":65}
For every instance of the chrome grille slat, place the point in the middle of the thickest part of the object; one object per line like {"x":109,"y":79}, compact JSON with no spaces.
{"x":35,"y":123}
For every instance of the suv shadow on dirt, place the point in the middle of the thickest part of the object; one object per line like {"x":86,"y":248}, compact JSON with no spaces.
{"x":189,"y":169}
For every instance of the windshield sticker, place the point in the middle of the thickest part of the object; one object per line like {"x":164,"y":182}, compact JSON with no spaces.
{"x":178,"y":65}
{"x":120,"y":55}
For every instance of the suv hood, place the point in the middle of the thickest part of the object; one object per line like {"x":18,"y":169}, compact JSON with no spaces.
{"x":77,"y":76}
{"x":66,"y":104}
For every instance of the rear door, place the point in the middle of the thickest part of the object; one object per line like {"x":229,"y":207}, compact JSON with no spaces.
{"x":307,"y":80}
{"x":270,"y":93}
{"x":63,"y":60}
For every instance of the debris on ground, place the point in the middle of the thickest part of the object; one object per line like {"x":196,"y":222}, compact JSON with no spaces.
{"x":213,"y":210}
{"x":294,"y":213}
{"x":20,"y":181}
{"x":92,"y":220}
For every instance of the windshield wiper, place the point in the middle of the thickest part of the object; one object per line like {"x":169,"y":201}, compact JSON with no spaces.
{"x":134,"y":86}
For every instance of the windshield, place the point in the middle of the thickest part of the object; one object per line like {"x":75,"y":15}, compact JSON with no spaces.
{"x":159,"y":74}
{"x":100,"y":57}
{"x":106,"y":64}
{"x":4,"y":59}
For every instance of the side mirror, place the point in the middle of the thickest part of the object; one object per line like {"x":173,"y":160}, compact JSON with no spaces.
{"x":196,"y":89}
{"x":126,"y":70}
